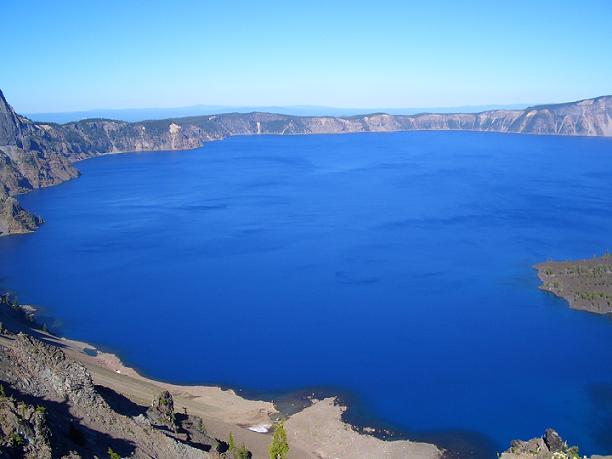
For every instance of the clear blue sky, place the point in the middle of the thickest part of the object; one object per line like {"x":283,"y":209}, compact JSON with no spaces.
{"x":73,"y":55}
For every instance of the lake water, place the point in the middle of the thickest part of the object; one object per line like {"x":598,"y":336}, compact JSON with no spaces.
{"x":395,"y":269}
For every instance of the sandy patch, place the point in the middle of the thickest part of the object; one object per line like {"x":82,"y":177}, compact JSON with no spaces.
{"x":316,"y":432}
{"x":320,"y":430}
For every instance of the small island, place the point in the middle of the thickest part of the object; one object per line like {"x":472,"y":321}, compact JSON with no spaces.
{"x":585,"y":284}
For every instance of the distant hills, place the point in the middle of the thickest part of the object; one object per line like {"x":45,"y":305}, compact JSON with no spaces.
{"x":142,"y":114}
{"x":39,"y":154}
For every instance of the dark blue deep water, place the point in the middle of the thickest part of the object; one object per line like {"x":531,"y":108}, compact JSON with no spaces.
{"x":393,"y":268}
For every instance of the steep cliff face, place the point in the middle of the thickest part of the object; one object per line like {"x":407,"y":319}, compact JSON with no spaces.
{"x":590,"y":117}
{"x":88,"y":138}
{"x":91,"y":137}
{"x":9,"y":123}
{"x":35,"y":155}
{"x":28,"y":160}
{"x":14,"y":219}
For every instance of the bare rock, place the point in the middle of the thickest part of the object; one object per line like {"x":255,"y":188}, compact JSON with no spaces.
{"x":553,"y":441}
{"x":162,"y":410}
{"x":79,"y":421}
{"x":549,"y":446}
{"x":14,"y":219}
{"x":23,"y":430}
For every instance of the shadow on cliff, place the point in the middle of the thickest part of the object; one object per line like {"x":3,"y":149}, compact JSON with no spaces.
{"x":68,"y":432}
{"x":120,"y":403}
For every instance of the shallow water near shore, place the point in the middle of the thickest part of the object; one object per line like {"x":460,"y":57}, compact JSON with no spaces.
{"x":396,"y":267}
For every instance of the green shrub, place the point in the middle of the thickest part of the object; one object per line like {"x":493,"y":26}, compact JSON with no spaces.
{"x":279,"y":448}
{"x":242,"y":453}
{"x":573,"y":452}
{"x":15,"y":440}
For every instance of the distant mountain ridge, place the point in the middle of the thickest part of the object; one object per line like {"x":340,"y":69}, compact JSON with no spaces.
{"x":143,"y":114}
{"x":34,"y":155}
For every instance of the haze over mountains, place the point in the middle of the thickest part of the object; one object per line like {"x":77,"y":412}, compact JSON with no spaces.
{"x":141,"y":114}
{"x":36,"y":154}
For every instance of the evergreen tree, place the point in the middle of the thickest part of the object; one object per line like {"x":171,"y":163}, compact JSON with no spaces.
{"x":279,"y":449}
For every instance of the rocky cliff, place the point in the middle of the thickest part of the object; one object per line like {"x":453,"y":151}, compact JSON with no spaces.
{"x":34,"y":155}
{"x":50,"y":408}
{"x":549,"y":446}
{"x":28,"y":160}
{"x":592,"y":117}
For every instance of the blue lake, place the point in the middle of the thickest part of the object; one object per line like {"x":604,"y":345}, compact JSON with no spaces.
{"x":395,"y":269}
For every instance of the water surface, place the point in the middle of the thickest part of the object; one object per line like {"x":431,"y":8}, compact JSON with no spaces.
{"x":396,"y":268}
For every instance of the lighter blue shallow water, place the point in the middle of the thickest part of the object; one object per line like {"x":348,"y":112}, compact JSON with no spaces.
{"x":396,"y":268}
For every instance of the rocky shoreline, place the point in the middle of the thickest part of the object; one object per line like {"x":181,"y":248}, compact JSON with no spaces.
{"x":112,"y":404}
{"x":585,"y":284}
{"x":316,"y":431}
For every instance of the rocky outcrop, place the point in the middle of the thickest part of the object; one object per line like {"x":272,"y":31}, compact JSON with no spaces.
{"x":9,"y":123}
{"x":35,"y":155}
{"x":14,"y":219}
{"x":585,"y":284}
{"x":52,"y":375}
{"x":549,"y":446}
{"x":589,"y":117}
{"x":162,"y":410}
{"x":27,"y":161}
{"x":49,"y":407}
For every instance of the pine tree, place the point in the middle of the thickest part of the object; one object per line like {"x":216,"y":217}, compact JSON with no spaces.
{"x":279,"y":449}
{"x":242,"y":453}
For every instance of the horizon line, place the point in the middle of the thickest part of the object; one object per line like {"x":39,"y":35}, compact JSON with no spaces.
{"x":365,"y":112}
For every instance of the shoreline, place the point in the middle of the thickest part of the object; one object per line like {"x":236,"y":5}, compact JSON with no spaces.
{"x":451,"y":443}
{"x":585,"y":284}
{"x":315,"y":430}
{"x":203,"y":144}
